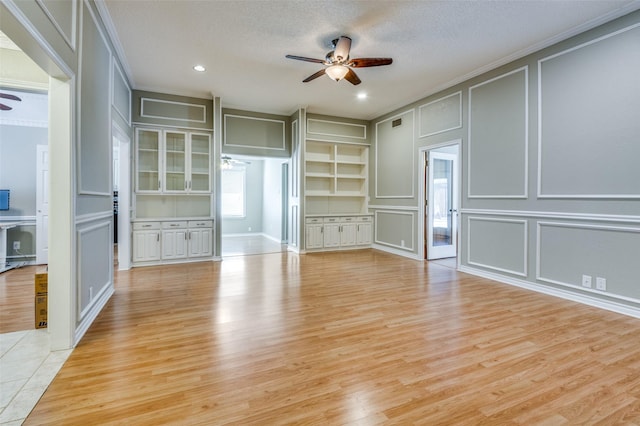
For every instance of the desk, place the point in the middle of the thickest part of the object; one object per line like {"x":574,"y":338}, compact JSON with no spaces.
{"x":3,"y":243}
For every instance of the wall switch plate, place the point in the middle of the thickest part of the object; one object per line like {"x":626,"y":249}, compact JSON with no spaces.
{"x":586,"y":281}
{"x":601,"y":283}
{"x":16,"y":245}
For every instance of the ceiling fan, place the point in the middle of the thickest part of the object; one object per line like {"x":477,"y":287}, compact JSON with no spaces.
{"x":228,"y":162}
{"x":4,"y":107}
{"x":338,"y":64}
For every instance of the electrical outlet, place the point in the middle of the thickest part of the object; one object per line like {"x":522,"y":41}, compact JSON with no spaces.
{"x":402,"y":243}
{"x":586,"y":281}
{"x":249,"y":229}
{"x":601,"y":283}
{"x":16,"y":245}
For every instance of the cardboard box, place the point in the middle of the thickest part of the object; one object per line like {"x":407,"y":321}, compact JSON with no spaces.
{"x":42,"y":283}
{"x":41,"y":310}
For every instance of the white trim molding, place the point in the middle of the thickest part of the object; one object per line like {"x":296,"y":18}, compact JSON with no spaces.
{"x":525,"y":193}
{"x":397,"y":212}
{"x":525,"y":242}
{"x":282,"y":122}
{"x":540,"y":193}
{"x":458,"y":126}
{"x":202,"y":119}
{"x":70,"y":39}
{"x":585,"y":299}
{"x":556,"y":215}
{"x":364,"y":129}
{"x":413,"y":148}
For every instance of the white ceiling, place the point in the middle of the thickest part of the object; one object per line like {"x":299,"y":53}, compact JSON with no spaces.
{"x":243,"y":43}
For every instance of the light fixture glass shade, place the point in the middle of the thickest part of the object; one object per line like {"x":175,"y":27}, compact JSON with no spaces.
{"x":337,"y":72}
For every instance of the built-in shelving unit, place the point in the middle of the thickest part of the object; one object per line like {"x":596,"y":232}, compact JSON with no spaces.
{"x":335,"y":178}
{"x":336,"y":196}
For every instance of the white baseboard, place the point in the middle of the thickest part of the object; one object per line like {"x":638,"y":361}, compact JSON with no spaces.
{"x":408,"y":254}
{"x":608,"y":305}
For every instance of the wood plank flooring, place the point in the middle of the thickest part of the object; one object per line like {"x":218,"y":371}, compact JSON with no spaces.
{"x":354,"y":338}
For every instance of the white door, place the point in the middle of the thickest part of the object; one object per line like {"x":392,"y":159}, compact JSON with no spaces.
{"x":442,"y":209}
{"x":42,"y":205}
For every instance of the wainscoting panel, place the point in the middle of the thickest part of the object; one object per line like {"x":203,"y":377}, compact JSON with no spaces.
{"x":498,"y":244}
{"x":441,"y":115}
{"x":95,"y":264}
{"x":395,"y":229}
{"x":394,"y":157}
{"x":567,"y":251}
{"x":498,"y":129}
{"x":588,"y":109}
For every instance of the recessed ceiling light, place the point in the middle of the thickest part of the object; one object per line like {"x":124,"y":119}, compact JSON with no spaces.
{"x":362,"y":95}
{"x":199,"y":68}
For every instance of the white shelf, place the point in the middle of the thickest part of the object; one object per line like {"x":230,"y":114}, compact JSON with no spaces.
{"x":336,"y":178}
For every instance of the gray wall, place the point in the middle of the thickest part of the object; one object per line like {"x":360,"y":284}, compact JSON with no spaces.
{"x":550,"y":186}
{"x":254,"y":195}
{"x":272,"y":199}
{"x":78,"y":46}
{"x":18,"y":173}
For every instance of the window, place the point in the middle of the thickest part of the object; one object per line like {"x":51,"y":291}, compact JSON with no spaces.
{"x":233,"y":192}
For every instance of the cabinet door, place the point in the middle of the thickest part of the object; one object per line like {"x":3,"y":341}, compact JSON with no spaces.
{"x":331,"y":235}
{"x":175,"y":161}
{"x":146,"y":246}
{"x":364,"y":234}
{"x":200,"y":242}
{"x":148,"y":160}
{"x":174,"y":244}
{"x":314,"y":239}
{"x":348,"y":234}
{"x":200,"y":163}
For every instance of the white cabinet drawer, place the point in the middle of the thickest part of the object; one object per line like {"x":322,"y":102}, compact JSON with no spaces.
{"x":138,"y":226}
{"x":178,"y":224}
{"x":365,"y":219}
{"x":200,"y":224}
{"x":313,"y":220}
{"x":331,"y":219}
{"x":347,"y":219}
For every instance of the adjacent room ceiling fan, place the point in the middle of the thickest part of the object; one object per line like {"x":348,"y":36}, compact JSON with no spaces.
{"x":4,"y":107}
{"x":228,"y":162}
{"x":338,"y":65}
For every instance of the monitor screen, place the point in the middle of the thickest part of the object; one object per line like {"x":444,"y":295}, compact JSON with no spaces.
{"x":4,"y":199}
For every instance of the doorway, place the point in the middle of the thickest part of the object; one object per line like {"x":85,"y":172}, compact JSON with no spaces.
{"x":253,"y":205}
{"x":439,"y":192}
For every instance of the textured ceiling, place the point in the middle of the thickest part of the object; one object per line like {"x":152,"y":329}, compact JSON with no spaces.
{"x":243,"y":44}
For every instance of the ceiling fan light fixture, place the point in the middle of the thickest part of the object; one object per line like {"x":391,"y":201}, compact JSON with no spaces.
{"x":337,"y":72}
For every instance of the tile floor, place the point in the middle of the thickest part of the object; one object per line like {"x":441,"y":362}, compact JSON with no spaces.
{"x":27,"y":367}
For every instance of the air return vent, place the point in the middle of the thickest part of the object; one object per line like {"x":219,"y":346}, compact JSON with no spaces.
{"x":397,"y":122}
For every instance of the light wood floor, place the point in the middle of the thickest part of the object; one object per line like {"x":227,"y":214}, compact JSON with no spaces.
{"x":357,"y":338}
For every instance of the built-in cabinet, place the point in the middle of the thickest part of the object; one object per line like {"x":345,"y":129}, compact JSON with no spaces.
{"x":173,"y":197}
{"x":172,"y":240}
{"x":343,"y":232}
{"x":171,"y":161}
{"x":336,"y":196}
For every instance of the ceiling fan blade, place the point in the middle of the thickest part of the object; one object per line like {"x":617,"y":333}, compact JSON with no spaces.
{"x":8,"y":96}
{"x":302,"y":58}
{"x":352,"y":78}
{"x":341,"y":52}
{"x":4,"y":107}
{"x":314,"y":76}
{"x":369,"y":62}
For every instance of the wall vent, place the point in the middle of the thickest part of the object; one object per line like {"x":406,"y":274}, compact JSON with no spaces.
{"x":397,"y":122}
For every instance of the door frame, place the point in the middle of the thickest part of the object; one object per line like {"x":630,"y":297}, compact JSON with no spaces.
{"x":124,"y":196}
{"x":423,"y":153}
{"x":42,"y":192}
